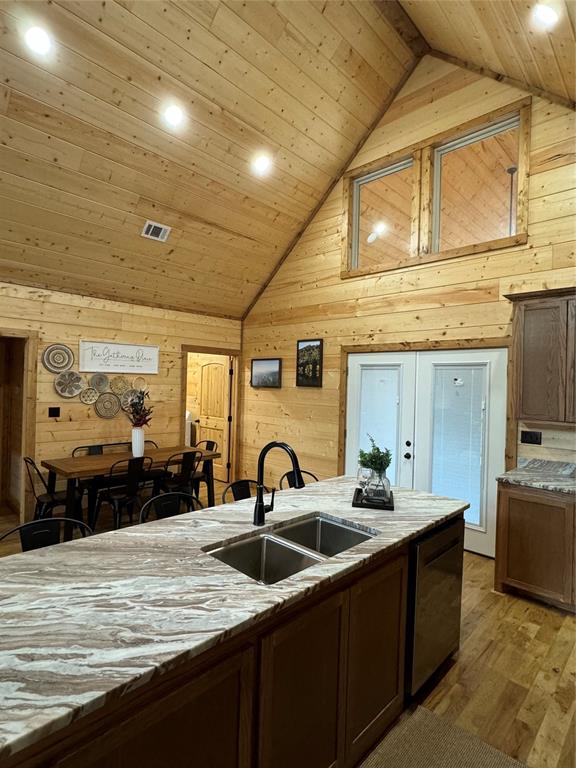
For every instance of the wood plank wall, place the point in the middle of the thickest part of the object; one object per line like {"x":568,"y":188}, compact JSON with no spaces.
{"x":67,"y":318}
{"x":455,"y":300}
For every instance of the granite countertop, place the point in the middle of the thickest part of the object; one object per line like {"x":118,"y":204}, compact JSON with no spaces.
{"x":556,"y":476}
{"x":100,"y":616}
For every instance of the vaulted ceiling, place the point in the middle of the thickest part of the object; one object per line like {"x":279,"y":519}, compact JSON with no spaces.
{"x":85,"y":158}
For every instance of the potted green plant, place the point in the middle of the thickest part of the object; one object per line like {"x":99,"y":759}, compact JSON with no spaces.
{"x":140,"y":416}
{"x":372,"y":473}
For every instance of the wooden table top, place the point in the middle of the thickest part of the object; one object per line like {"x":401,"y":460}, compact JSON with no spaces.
{"x":76,"y":467}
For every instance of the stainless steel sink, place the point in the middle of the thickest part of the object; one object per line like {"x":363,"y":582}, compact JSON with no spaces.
{"x":323,"y":535}
{"x":266,"y":558}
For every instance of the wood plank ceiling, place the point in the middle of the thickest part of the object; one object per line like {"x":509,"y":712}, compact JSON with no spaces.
{"x":85,"y":158}
{"x":502,"y":35}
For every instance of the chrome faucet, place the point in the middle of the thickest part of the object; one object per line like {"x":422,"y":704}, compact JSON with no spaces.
{"x":260,"y":508}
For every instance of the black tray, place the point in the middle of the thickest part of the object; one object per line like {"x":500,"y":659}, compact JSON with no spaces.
{"x":359,"y":501}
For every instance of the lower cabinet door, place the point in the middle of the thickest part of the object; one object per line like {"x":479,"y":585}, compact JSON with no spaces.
{"x":206,"y":723}
{"x":301,"y":696}
{"x":535,"y":543}
{"x":376,"y":647}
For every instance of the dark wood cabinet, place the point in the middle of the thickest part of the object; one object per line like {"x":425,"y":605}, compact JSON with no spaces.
{"x":535,"y":544}
{"x":571,"y":363}
{"x":545,"y":357}
{"x":301,"y":689}
{"x":206,"y":722}
{"x":376,"y":649}
{"x":333,"y":680}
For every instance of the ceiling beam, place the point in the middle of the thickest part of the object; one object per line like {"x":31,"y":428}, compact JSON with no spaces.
{"x":553,"y":97}
{"x":395,"y":14}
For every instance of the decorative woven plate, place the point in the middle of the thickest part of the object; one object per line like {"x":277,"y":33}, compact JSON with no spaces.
{"x":99,"y":381}
{"x":89,"y":395}
{"x":119,"y":385}
{"x":57,"y":358}
{"x":107,"y":406}
{"x":127,"y":397}
{"x":139,"y":383}
{"x":68,"y":384}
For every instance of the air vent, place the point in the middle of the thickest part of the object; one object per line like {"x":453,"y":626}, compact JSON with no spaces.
{"x":156,"y":231}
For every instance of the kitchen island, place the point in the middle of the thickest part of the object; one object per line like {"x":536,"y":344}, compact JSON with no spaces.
{"x":138,"y":647}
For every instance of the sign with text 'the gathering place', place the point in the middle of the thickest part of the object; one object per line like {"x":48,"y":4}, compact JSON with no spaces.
{"x":109,"y":357}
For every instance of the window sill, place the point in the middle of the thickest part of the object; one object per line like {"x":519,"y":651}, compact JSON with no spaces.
{"x":429,"y":258}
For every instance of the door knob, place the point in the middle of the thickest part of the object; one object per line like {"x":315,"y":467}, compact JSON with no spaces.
{"x":408,"y":443}
{"x":407,"y":455}
{"x":196,"y":421}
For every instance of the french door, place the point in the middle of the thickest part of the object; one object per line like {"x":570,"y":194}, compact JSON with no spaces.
{"x":443,"y":416}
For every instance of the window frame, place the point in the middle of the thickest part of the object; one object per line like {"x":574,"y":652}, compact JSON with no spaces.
{"x":423,"y":155}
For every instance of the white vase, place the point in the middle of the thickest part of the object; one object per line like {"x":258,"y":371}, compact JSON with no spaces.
{"x":137,"y":442}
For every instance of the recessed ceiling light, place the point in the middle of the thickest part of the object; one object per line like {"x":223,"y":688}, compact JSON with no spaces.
{"x":380,"y":228}
{"x":38,"y":40}
{"x":545,"y":15}
{"x":173,"y":115}
{"x":262,"y":164}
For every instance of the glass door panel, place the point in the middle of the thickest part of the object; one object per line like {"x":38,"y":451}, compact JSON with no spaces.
{"x":380,"y":403}
{"x":458,"y":429}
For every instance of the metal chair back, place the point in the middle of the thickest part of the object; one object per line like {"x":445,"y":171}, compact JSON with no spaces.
{"x":188,"y":462}
{"x":88,"y":450}
{"x":134,"y":470}
{"x":206,"y":445}
{"x":288,"y":477}
{"x":169,"y":505}
{"x":46,"y":532}
{"x":240,"y":489}
{"x":34,"y":474}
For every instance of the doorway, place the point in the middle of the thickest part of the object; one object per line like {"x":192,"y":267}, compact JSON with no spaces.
{"x":12,"y":387}
{"x":443,"y":416}
{"x":210,"y":398}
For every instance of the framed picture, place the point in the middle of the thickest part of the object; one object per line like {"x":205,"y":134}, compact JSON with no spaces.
{"x":309,"y":363}
{"x":266,"y":372}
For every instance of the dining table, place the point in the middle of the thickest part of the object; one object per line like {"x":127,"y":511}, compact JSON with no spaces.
{"x":75,"y":468}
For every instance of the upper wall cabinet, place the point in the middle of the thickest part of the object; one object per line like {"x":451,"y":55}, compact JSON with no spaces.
{"x":457,"y":193}
{"x":545,"y":355}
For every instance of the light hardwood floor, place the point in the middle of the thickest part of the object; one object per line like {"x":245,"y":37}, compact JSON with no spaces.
{"x":513,"y":683}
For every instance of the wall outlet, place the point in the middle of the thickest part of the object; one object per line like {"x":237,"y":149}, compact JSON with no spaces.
{"x":53,"y":412}
{"x":532,"y":438}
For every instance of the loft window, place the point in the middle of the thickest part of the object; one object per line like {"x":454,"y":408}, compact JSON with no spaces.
{"x":382,"y":217}
{"x":474,"y":197}
{"x":444,"y":197}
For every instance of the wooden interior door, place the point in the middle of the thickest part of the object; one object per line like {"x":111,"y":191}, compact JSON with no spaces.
{"x":209,"y":387}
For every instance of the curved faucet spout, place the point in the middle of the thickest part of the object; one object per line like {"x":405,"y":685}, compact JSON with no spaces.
{"x":260,"y":508}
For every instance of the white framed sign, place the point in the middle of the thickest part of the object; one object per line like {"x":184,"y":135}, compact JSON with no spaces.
{"x":109,"y":357}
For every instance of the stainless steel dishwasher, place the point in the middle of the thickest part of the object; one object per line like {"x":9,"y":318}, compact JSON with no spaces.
{"x":434,"y":615}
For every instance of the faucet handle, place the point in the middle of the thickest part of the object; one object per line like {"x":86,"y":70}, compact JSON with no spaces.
{"x":270,"y":507}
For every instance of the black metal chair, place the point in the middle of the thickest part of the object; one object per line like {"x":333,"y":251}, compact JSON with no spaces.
{"x":48,"y":501}
{"x":124,"y":497}
{"x":47,"y":531}
{"x":181,"y":481}
{"x":169,"y":505}
{"x":88,"y":450}
{"x":240,"y":489}
{"x":202,"y":475}
{"x":289,"y":478}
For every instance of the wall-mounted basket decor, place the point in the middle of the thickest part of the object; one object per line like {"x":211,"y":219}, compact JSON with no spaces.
{"x":89,"y":395}
{"x":100,"y":382}
{"x":119,"y":385}
{"x":139,"y":383}
{"x":127,"y":397}
{"x":57,"y":358}
{"x":69,"y":384}
{"x":107,"y":406}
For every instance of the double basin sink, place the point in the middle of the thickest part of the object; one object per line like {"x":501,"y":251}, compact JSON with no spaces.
{"x":272,"y":557}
